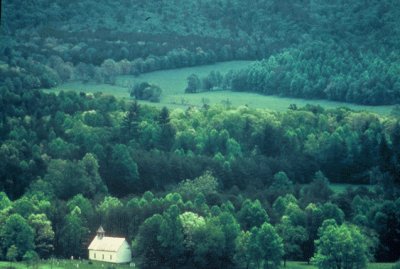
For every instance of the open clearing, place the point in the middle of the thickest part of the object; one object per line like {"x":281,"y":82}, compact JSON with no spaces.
{"x":173,"y":82}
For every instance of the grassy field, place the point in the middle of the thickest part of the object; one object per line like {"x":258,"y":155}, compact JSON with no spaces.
{"x":304,"y":265}
{"x":173,"y":83}
{"x":65,"y":264}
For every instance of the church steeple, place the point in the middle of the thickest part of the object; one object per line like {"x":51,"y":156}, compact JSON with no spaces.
{"x":100,"y":232}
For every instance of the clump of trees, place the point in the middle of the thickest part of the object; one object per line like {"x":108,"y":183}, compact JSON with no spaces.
{"x":145,"y":91}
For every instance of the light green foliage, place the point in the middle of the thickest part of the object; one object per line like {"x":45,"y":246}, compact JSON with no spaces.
{"x":174,"y":81}
{"x":341,"y":246}
{"x":108,"y":204}
{"x":282,"y":202}
{"x":12,"y":253}
{"x":44,"y":234}
{"x":83,"y":203}
{"x":204,"y":184}
{"x":31,"y":258}
{"x":242,"y":252}
{"x":4,"y":201}
{"x":17,"y":234}
{"x":191,"y":222}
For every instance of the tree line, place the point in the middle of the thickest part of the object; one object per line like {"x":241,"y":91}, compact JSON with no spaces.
{"x":333,"y":50}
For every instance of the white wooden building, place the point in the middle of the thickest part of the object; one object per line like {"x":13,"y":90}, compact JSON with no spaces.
{"x":109,"y":249}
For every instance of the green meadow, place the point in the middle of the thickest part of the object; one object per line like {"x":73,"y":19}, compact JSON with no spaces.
{"x":173,"y":82}
{"x":84,"y":264}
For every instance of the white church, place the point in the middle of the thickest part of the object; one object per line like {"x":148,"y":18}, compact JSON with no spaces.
{"x":109,"y":249}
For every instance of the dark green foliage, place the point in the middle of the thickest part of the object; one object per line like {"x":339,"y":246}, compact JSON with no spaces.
{"x":146,"y":91}
{"x":346,"y":76}
{"x":252,"y":214}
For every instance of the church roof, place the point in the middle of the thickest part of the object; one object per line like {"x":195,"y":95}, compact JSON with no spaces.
{"x":106,"y":243}
{"x":100,"y":230}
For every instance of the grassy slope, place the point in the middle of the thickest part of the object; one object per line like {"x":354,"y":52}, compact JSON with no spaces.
{"x":173,"y":83}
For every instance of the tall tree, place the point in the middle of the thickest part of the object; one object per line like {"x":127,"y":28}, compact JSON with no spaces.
{"x":266,"y":246}
{"x":130,"y":123}
{"x":44,"y":234}
{"x":341,"y":246}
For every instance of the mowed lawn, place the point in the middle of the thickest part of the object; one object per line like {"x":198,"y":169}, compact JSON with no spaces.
{"x":173,"y":83}
{"x":66,"y":264}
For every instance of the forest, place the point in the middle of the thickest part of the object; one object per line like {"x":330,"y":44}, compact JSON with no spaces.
{"x":211,"y":186}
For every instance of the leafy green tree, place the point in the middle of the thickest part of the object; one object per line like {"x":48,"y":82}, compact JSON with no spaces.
{"x":341,"y":246}
{"x":193,"y":84}
{"x":317,"y":191}
{"x":266,"y":247}
{"x":231,"y":230}
{"x":282,"y":203}
{"x":12,"y":254}
{"x":44,"y":234}
{"x":110,"y":70}
{"x":123,"y":172}
{"x":84,"y":205}
{"x":293,"y":236}
{"x":171,"y":237}
{"x":112,"y":215}
{"x":146,"y":91}
{"x":209,"y":246}
{"x":281,"y":186}
{"x":5,"y":202}
{"x":130,"y":123}
{"x":147,"y":245}
{"x":74,"y":234}
{"x":190,"y":222}
{"x":167,"y":130}
{"x":16,"y":232}
{"x":70,"y":178}
{"x":205,"y":184}
{"x":242,"y":251}
{"x":252,"y":214}
{"x":31,"y":258}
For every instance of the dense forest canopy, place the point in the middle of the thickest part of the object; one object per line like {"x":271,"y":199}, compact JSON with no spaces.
{"x":210,"y":186}
{"x":336,"y":50}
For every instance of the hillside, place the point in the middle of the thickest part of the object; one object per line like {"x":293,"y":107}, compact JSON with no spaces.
{"x":203,"y":172}
{"x":344,"y":42}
